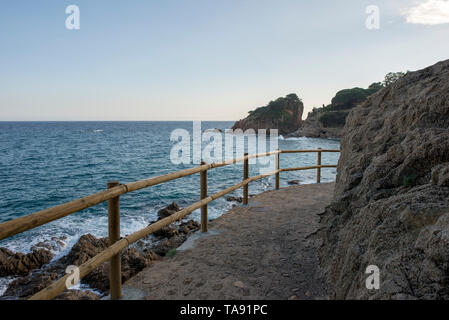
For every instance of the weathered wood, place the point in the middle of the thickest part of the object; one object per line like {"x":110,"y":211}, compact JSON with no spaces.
{"x":307,"y":168}
{"x":203,"y":179}
{"x":245,"y":177}
{"x":277,"y":169}
{"x":318,"y":170}
{"x":115,"y":268}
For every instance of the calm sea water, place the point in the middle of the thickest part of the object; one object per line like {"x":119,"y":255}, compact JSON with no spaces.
{"x":43,"y":164}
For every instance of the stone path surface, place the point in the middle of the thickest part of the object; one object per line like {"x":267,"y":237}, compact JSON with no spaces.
{"x":266,"y":250}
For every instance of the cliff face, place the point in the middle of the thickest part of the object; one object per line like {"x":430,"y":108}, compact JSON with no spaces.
{"x":328,"y":122}
{"x":391,"y":206}
{"x":284,"y":114}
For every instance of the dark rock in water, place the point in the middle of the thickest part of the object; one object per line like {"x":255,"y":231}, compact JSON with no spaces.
{"x":234,"y":199}
{"x":22,"y":264}
{"x":166,"y":232}
{"x":25,"y":287}
{"x":283,"y":114}
{"x":294,"y":182}
{"x":55,"y":243}
{"x":88,"y":246}
{"x":77,"y":295}
{"x":132,"y":262}
{"x":168,"y":211}
{"x":391,"y":206}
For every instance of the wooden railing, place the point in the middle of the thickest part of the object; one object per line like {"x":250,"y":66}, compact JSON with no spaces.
{"x":112,"y":195}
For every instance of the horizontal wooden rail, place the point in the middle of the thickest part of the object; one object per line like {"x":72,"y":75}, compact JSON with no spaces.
{"x":13,"y":227}
{"x":308,"y":168}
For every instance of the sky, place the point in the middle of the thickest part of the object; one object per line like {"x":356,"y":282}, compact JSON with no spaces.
{"x":203,"y":59}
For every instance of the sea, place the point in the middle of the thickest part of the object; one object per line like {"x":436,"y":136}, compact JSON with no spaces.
{"x":44,"y":164}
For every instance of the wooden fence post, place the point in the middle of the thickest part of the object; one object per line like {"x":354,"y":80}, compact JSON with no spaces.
{"x":115,"y":272}
{"x":277,"y":168}
{"x":203,"y":180}
{"x":318,"y":171}
{"x":245,"y":177}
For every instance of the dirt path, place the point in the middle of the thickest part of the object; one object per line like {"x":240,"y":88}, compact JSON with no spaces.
{"x":259,"y":251}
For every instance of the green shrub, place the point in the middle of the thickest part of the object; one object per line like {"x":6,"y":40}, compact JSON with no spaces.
{"x":333,"y":119}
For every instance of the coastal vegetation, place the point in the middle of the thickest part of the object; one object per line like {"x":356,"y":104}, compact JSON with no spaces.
{"x":328,"y":121}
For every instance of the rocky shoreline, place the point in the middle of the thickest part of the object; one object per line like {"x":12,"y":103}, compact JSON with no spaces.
{"x":36,"y":270}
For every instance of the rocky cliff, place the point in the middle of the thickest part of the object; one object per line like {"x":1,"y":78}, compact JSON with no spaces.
{"x":284,"y":114}
{"x":328,"y":121}
{"x":391,"y":206}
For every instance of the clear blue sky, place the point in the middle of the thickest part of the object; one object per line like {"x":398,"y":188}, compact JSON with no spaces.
{"x":201,"y":59}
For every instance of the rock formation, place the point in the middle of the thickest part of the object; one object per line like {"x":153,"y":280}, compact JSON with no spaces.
{"x":22,"y":264}
{"x":284,"y":114}
{"x":328,"y":122}
{"x":391,"y":206}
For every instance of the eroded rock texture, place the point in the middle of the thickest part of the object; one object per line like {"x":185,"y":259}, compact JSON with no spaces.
{"x":391,"y":206}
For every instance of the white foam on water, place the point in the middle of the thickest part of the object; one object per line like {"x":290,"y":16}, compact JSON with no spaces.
{"x":4,"y":283}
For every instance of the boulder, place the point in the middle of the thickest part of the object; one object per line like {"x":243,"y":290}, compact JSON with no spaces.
{"x":25,"y":287}
{"x":168,"y":211}
{"x":391,"y":205}
{"x":234,"y":199}
{"x":22,"y":264}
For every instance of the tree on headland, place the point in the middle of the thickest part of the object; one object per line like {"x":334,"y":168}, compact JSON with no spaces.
{"x":392,"y":77}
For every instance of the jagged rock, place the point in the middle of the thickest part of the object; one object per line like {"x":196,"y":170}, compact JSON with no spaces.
{"x":166,"y":232}
{"x":294,"y":182}
{"x":234,"y":199}
{"x":284,"y":114}
{"x":188,"y":227}
{"x":88,"y":246}
{"x":391,"y":206}
{"x":25,"y":287}
{"x":162,"y":247}
{"x":21,"y":264}
{"x":168,"y":211}
{"x":55,"y":243}
{"x":77,"y":295}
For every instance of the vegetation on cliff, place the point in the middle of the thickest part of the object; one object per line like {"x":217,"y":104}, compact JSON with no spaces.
{"x":284,"y":114}
{"x":328,"y":121}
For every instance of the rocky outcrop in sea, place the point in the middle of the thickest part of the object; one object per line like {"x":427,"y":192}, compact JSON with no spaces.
{"x":284,"y":114}
{"x":391,"y":206}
